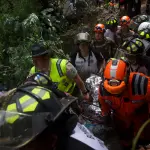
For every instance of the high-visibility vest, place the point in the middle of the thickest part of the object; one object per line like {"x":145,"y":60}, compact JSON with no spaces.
{"x":58,"y":75}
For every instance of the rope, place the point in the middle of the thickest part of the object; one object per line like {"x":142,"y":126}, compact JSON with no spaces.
{"x":139,"y":133}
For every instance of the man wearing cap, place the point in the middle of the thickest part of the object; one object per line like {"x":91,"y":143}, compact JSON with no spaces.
{"x":60,"y":71}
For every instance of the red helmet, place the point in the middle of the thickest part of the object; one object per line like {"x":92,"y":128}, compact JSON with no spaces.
{"x":99,"y":28}
{"x":125,"y":20}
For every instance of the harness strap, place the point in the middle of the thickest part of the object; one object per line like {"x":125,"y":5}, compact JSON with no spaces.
{"x":59,"y":67}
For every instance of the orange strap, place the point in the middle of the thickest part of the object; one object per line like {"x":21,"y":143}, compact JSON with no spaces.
{"x":104,"y":106}
{"x":148,"y":95}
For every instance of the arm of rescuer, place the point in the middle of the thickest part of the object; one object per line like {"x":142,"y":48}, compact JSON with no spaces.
{"x":105,"y":109}
{"x":72,"y":73}
{"x":148,"y":94}
{"x":111,"y":138}
{"x":100,"y":61}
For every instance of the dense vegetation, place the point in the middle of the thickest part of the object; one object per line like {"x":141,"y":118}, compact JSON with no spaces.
{"x":23,"y":23}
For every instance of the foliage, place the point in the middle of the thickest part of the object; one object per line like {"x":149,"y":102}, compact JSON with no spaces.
{"x":19,"y":7}
{"x":19,"y":32}
{"x":25,"y":22}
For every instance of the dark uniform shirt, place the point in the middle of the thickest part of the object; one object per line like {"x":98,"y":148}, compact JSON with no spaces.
{"x":106,"y":47}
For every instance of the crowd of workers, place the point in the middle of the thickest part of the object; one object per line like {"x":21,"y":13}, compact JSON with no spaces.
{"x":120,"y":54}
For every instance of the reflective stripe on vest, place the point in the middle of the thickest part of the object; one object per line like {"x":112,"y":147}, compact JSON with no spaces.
{"x":27,"y":103}
{"x":137,"y":101}
{"x":58,"y":75}
{"x":139,"y":85}
{"x":59,"y":67}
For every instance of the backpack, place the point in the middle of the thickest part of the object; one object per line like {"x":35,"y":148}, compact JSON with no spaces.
{"x":98,"y":58}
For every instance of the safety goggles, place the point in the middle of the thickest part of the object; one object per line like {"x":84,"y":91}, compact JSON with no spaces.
{"x":114,"y":82}
{"x":124,"y":22}
{"x":99,"y":29}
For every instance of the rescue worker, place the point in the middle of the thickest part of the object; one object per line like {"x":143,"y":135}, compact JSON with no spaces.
{"x":84,"y":59}
{"x":137,"y":20}
{"x":133,"y":50}
{"x":143,"y":31}
{"x":125,"y":96}
{"x":60,"y":71}
{"x":145,"y":34}
{"x":111,"y":28}
{"x":35,"y":118}
{"x":101,"y":43}
{"x":124,"y":32}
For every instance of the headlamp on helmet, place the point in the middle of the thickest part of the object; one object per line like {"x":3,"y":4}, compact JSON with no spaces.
{"x":40,"y":79}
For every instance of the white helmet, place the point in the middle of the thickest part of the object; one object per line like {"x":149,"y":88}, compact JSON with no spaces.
{"x":144,"y":25}
{"x":83,"y":37}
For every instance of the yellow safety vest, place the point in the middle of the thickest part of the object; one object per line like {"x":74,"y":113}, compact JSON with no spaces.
{"x":58,"y":75}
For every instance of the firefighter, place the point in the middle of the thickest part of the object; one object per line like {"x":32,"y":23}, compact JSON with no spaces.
{"x":125,"y":96}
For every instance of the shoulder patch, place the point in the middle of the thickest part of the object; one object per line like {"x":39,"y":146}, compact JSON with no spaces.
{"x":139,"y":84}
